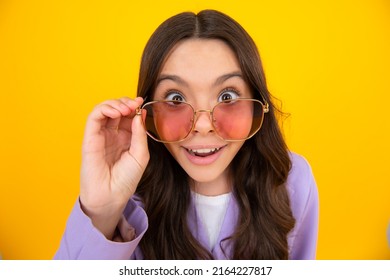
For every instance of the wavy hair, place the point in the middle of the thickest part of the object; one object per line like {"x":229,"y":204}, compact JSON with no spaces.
{"x":259,"y":169}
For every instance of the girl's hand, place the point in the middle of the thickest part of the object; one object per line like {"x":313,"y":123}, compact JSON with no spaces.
{"x":114,"y":156}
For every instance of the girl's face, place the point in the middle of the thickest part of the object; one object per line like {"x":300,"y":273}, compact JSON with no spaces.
{"x":202,"y":72}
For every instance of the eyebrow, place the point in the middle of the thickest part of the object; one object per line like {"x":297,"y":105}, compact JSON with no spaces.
{"x":227,"y":76}
{"x":173,"y":78}
{"x":182,"y":82}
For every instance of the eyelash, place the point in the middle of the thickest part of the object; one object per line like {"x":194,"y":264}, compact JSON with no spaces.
{"x":230,"y":89}
{"x":171,"y":91}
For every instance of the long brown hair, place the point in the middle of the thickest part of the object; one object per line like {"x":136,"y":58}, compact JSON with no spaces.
{"x":260,"y":168}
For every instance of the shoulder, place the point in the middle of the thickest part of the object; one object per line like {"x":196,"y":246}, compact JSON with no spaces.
{"x":301,"y":185}
{"x":304,"y":201}
{"x":300,"y":178}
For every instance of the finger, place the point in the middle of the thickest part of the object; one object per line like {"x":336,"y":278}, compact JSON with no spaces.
{"x":125,"y":105}
{"x":132,"y":103}
{"x":125,"y":123}
{"x":135,"y":159}
{"x":136,"y":101}
{"x":122,"y":107}
{"x":99,"y":117}
{"x":113,"y":124}
{"x":139,"y":144}
{"x":109,"y":114}
{"x":127,"y":109}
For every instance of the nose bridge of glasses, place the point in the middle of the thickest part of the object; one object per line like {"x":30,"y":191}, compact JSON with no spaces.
{"x":197,"y":113}
{"x":203,"y":111}
{"x":208,"y":123}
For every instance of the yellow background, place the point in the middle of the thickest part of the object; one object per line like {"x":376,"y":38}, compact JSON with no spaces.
{"x":328,"y":61}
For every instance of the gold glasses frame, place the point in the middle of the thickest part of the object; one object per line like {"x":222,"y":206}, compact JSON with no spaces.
{"x":264,"y":111}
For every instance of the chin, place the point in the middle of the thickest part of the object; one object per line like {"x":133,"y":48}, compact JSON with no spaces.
{"x":206,"y":174}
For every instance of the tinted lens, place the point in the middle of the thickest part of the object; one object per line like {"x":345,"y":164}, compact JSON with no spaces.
{"x":168,"y":121}
{"x":238,"y":120}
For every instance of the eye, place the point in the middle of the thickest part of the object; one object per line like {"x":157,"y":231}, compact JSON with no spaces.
{"x":174,"y":96}
{"x":228,"y":94}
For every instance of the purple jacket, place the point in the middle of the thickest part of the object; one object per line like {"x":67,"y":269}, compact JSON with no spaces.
{"x":82,"y":240}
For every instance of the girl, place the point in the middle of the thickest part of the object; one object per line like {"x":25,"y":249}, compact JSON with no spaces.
{"x":214,"y":179}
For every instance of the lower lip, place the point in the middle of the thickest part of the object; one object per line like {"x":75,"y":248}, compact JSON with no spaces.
{"x":202,"y":160}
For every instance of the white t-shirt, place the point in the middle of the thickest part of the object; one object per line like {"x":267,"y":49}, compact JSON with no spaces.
{"x":211,"y":210}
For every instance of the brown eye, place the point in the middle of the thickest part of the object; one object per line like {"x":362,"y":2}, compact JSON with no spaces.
{"x":227,"y":95}
{"x":175,"y":97}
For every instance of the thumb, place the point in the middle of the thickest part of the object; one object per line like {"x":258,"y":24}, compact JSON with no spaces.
{"x":139,"y":144}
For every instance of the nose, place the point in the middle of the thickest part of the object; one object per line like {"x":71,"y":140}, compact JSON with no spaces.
{"x":203,"y":122}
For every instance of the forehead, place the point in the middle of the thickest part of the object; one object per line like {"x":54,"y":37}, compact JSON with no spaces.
{"x":201,"y":57}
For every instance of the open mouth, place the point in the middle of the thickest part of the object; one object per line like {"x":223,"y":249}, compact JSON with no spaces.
{"x":203,"y":152}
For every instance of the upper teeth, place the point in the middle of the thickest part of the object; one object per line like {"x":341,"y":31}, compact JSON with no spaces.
{"x":204,"y":151}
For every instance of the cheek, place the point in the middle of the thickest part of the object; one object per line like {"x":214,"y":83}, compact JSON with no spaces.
{"x":173,"y":125}
{"x":235,"y":128}
{"x":174,"y":129}
{"x":235,"y":148}
{"x":235,"y":121}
